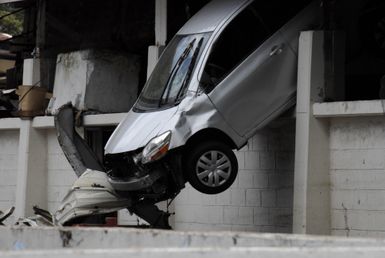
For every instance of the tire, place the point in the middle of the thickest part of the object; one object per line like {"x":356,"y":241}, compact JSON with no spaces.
{"x":210,"y":167}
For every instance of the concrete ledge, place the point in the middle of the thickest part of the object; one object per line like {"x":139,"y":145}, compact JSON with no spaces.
{"x":125,"y":242}
{"x":24,"y":238}
{"x":47,"y":122}
{"x":349,"y":108}
{"x":104,"y":119}
{"x":10,"y":123}
{"x":265,"y":252}
{"x":43,"y":122}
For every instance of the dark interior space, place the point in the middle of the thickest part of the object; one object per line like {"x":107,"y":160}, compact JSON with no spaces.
{"x":97,"y":138}
{"x":118,"y":25}
{"x":121,"y":26}
{"x":128,"y":27}
{"x":363,"y":22}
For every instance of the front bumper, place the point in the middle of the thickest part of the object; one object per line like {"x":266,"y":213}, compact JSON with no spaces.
{"x":135,"y":183}
{"x":90,"y":195}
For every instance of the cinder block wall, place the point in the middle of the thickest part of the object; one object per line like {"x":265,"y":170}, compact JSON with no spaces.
{"x":357,"y":160}
{"x":60,"y":175}
{"x":260,"y":199}
{"x":9,"y":142}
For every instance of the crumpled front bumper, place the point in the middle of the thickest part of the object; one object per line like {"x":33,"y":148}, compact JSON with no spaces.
{"x":135,"y":183}
{"x":91,"y":194}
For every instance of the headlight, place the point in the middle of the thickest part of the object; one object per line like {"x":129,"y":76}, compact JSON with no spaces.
{"x":156,"y":148}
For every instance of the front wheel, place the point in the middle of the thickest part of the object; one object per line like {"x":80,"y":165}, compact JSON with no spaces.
{"x":211,"y":167}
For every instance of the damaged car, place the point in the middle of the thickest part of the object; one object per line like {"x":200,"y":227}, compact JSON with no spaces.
{"x":229,"y":71}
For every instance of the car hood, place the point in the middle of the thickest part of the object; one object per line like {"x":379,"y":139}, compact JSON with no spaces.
{"x":137,"y":129}
{"x":194,"y":113}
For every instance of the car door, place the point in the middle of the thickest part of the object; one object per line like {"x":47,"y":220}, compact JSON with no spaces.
{"x":250,"y":75}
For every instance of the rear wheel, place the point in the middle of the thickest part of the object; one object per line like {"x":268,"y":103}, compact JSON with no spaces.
{"x":211,"y":167}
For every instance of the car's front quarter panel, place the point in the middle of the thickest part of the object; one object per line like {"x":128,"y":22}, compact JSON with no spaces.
{"x":196,"y":113}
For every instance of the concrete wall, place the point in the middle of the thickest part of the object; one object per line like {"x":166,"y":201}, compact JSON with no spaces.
{"x":260,"y":199}
{"x":8,"y":167}
{"x":60,"y":175}
{"x":357,"y":172}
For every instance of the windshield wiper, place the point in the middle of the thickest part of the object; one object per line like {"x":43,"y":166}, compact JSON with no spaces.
{"x":189,"y":70}
{"x":174,"y":72}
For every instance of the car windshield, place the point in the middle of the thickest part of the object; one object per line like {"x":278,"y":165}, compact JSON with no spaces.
{"x":169,"y":81}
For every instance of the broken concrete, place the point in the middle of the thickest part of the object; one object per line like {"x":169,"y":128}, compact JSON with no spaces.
{"x":84,"y":76}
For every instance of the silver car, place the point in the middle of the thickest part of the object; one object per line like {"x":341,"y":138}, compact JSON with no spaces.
{"x":227,"y":72}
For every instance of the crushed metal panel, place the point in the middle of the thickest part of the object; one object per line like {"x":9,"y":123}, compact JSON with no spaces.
{"x":91,"y":194}
{"x":76,"y":150}
{"x":34,"y":221}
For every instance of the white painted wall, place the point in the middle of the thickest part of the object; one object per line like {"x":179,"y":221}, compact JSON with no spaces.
{"x":9,"y":142}
{"x":60,"y":175}
{"x":260,"y":199}
{"x":357,"y":172}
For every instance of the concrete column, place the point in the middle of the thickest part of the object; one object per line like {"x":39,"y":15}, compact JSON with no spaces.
{"x":31,"y":173}
{"x":160,"y":35}
{"x":311,"y":207}
{"x":160,"y":22}
{"x":31,"y":188}
{"x":31,"y":72}
{"x":22,"y":169}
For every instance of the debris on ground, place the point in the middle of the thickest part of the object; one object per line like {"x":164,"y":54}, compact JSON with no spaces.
{"x":41,"y":218}
{"x":5,"y":215}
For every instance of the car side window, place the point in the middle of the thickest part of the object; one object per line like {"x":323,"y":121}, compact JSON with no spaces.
{"x":240,"y":38}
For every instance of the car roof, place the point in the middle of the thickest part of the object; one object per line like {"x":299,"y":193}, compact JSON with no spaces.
{"x":211,"y":16}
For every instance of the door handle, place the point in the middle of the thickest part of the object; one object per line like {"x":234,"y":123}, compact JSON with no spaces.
{"x":276,"y":50}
